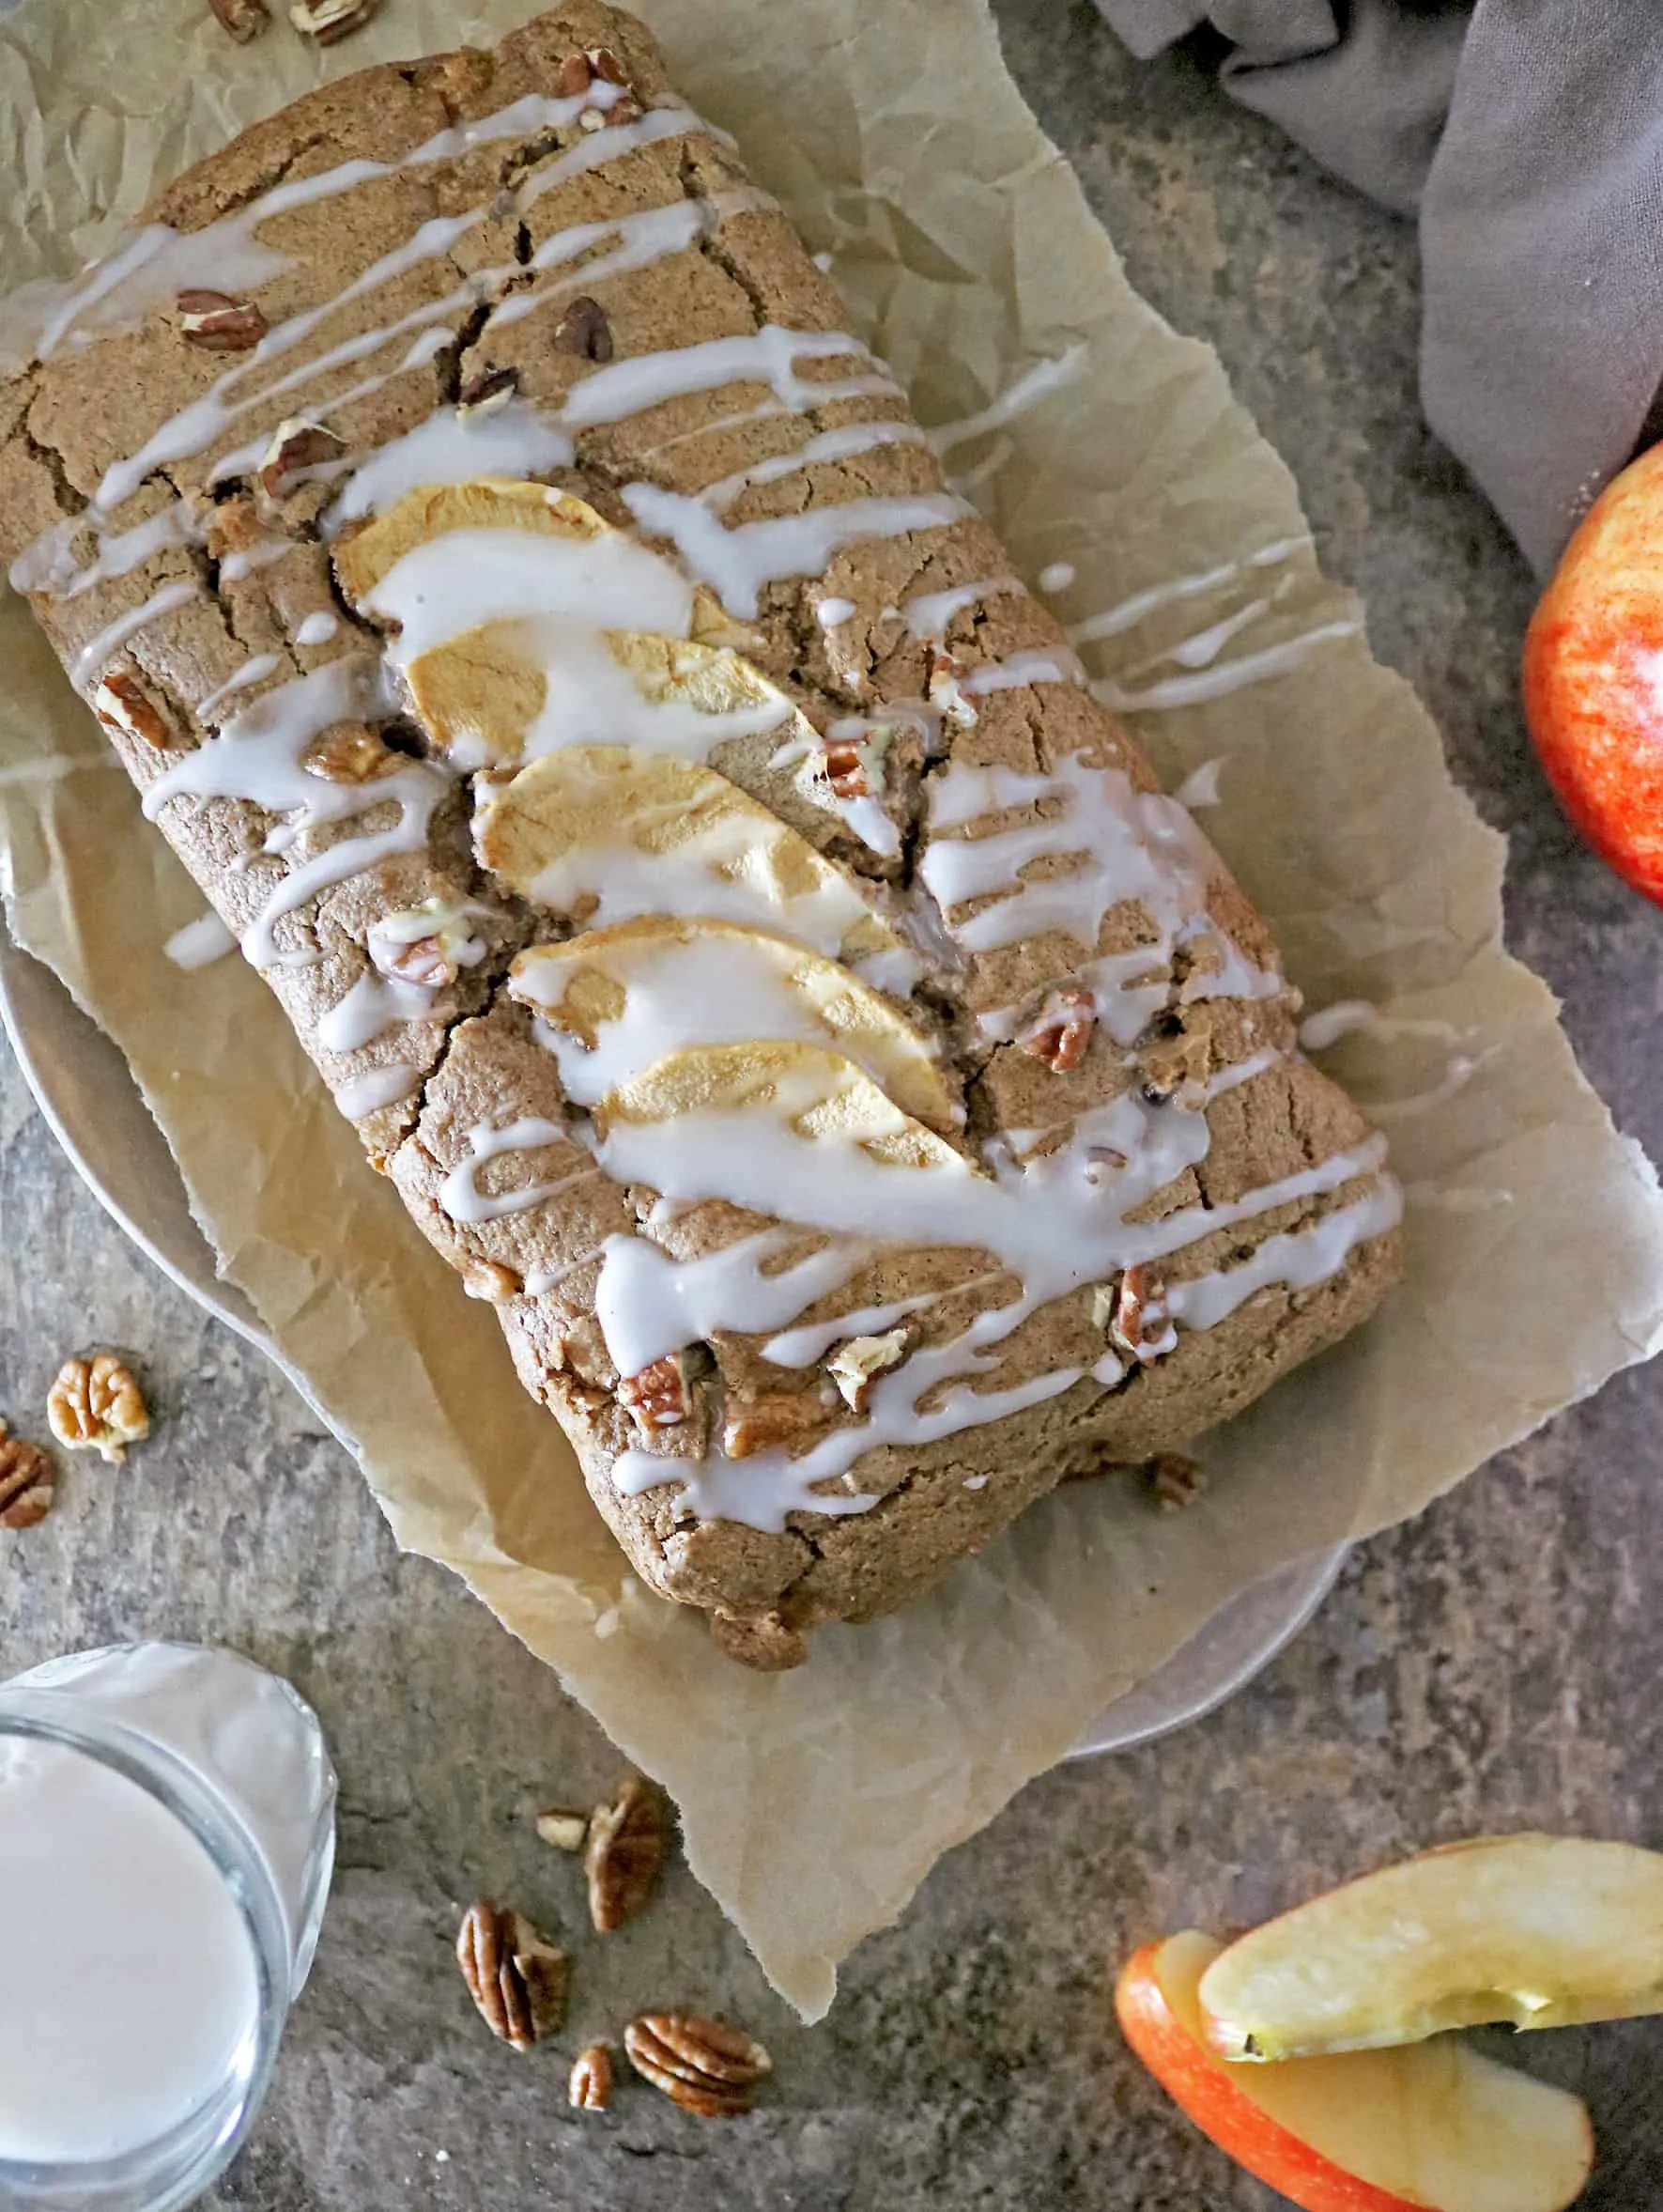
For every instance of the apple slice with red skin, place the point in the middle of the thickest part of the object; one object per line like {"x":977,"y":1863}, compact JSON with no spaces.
{"x":1594,"y":675}
{"x":1423,"y":2127}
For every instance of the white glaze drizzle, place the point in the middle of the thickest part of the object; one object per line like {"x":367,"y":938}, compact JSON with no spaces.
{"x":738,"y":564}
{"x":317,"y":628}
{"x":928,"y":614}
{"x":1027,"y":391}
{"x":459,"y":1195}
{"x":1300,"y":1259}
{"x":199,"y":943}
{"x":1057,"y":575}
{"x":830,"y":613}
{"x":1133,"y":610}
{"x":251,"y":672}
{"x":648,"y":1304}
{"x":379,"y":1087}
{"x":104,"y":645}
{"x":265,"y":553}
{"x":1200,"y":787}
{"x":1348,"y":1016}
{"x":843,"y":442}
{"x":452,"y":446}
{"x":1216,"y":683}
{"x":374,"y":1004}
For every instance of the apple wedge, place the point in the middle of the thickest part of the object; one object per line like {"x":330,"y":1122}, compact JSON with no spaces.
{"x":618,"y":1000}
{"x":602,"y":834}
{"x":788,"y":1131}
{"x":1427,"y":2127}
{"x":1544,"y":1931}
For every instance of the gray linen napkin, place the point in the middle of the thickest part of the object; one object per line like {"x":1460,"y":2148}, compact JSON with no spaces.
{"x":1526,"y":136}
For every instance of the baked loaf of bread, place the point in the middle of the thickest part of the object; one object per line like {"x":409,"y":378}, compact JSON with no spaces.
{"x":692,"y":860}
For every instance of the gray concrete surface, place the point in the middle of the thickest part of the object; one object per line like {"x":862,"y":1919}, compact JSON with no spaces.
{"x":1493,"y":1666}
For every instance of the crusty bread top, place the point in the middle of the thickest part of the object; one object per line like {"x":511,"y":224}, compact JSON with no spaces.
{"x":695,"y":863}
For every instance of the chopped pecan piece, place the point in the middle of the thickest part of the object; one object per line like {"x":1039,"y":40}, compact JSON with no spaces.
{"x":584,"y":329}
{"x":769,"y":1422}
{"x":606,"y":66}
{"x":121,"y":701}
{"x":428,"y":945}
{"x":1061,"y":1031}
{"x":660,"y":1396}
{"x":623,"y":1853}
{"x":295,"y":446}
{"x":244,"y":19}
{"x":1139,"y":1323}
{"x":1174,"y":1071}
{"x":517,"y":1981}
{"x":589,"y":2089}
{"x":218,"y":323}
{"x":490,"y":389}
{"x":856,"y":1364}
{"x":96,"y":1405}
{"x":705,"y":2065}
{"x":1175,"y":1482}
{"x":845,"y":767}
{"x":28,"y":1487}
{"x":946,"y":689}
{"x":328,"y":20}
{"x":350,"y":754}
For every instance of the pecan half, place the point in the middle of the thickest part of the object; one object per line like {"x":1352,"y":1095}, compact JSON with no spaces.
{"x":517,"y":1981}
{"x":96,"y":1405}
{"x":856,"y":1364}
{"x":1139,"y":1323}
{"x":660,"y":1396}
{"x":705,"y":2065}
{"x":625,"y":1850}
{"x":584,"y":329}
{"x":1061,"y":1031}
{"x":574,"y":75}
{"x":350,"y":754}
{"x":490,"y":389}
{"x":244,"y":19}
{"x":606,"y":66}
{"x":122,"y":703}
{"x":218,"y":323}
{"x":27,"y":1487}
{"x":295,"y":446}
{"x":589,"y":2089}
{"x":328,"y":20}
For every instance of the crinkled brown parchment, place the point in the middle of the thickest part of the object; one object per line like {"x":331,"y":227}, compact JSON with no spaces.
{"x":814,"y":1803}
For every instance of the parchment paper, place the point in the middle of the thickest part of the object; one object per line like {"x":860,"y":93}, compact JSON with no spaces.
{"x":814,"y":1803}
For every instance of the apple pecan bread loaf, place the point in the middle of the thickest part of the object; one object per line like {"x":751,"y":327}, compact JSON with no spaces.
{"x":691,"y":858}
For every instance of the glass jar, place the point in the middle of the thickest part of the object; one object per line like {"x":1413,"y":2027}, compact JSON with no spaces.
{"x":166,"y":1840}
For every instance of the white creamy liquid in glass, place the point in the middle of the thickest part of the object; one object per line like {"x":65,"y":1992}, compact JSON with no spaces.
{"x":129,"y":1991}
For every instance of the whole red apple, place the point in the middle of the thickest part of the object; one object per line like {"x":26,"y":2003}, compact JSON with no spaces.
{"x":1594,"y":675}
